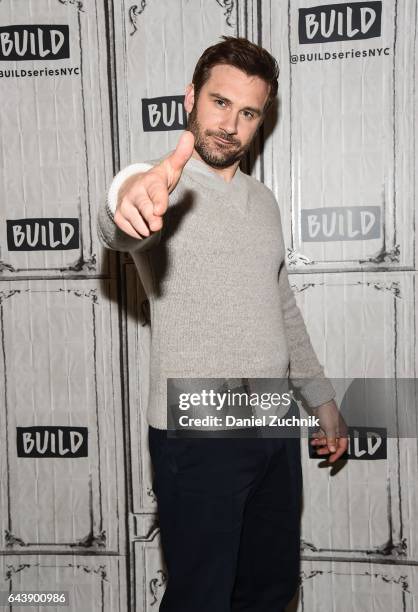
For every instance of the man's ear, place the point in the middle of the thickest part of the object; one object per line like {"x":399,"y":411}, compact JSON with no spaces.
{"x":189,"y":98}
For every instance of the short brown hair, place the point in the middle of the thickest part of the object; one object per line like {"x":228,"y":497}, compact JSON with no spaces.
{"x":240,"y":53}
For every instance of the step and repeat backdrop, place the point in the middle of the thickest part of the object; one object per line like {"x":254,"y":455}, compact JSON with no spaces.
{"x":88,"y":87}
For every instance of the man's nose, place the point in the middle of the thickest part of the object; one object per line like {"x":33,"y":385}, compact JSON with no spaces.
{"x":229,"y":123}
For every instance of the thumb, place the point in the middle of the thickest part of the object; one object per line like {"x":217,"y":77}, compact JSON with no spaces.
{"x":182,"y":153}
{"x":332,"y":442}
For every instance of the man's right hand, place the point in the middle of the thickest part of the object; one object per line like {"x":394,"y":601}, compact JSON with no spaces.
{"x":143,"y":198}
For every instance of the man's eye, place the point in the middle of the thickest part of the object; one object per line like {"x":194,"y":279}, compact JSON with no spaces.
{"x":248,"y":114}
{"x":220,"y":102}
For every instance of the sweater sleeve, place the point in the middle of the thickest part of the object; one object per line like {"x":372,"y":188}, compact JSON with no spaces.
{"x":110,"y":235}
{"x":305,"y":371}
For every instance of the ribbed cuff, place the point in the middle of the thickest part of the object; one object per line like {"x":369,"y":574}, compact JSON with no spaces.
{"x":120,"y":178}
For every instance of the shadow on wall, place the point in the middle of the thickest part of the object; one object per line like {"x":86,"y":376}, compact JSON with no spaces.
{"x":137,"y":310}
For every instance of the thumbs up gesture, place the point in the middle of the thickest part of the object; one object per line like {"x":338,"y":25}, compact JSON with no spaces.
{"x":143,"y":198}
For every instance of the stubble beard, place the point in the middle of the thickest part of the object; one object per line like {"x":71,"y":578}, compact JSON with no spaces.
{"x":203,"y":144}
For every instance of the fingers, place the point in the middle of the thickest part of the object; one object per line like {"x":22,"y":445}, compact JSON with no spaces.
{"x":140,"y":211}
{"x":342,"y":446}
{"x":144,"y":199}
{"x":126,"y":226}
{"x":134,"y":217}
{"x":332,"y":443}
{"x":337,"y":446}
{"x":319,"y":438}
{"x":332,"y":437}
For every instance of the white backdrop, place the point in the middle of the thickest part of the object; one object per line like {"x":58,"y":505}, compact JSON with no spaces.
{"x":90,"y":86}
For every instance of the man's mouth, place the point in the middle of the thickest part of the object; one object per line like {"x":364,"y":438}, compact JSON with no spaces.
{"x":222,"y":141}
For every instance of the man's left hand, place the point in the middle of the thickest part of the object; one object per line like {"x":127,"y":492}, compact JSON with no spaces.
{"x":332,"y":436}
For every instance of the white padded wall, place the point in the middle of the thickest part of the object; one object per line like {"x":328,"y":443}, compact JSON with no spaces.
{"x":339,"y":154}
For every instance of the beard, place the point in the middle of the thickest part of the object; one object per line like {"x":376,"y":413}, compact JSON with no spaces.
{"x":212,"y":153}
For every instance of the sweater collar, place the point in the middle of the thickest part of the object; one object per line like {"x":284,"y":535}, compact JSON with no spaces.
{"x":205,"y":175}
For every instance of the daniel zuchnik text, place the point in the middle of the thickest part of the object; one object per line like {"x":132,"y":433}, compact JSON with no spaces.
{"x":265,"y":420}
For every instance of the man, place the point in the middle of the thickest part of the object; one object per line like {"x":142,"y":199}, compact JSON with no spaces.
{"x":208,"y":244}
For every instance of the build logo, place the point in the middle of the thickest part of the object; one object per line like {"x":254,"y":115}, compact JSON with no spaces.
{"x":344,"y":21}
{"x":163,"y":114}
{"x":34,"y":42}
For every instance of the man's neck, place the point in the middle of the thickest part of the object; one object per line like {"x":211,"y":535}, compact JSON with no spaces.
{"x":226,"y":173}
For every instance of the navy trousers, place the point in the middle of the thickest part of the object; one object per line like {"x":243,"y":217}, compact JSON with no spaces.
{"x":229,"y":514}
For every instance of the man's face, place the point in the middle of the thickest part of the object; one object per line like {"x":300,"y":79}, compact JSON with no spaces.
{"x":227,"y":114}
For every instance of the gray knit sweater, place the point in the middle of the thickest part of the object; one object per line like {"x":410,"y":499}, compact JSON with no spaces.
{"x":220,"y":301}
